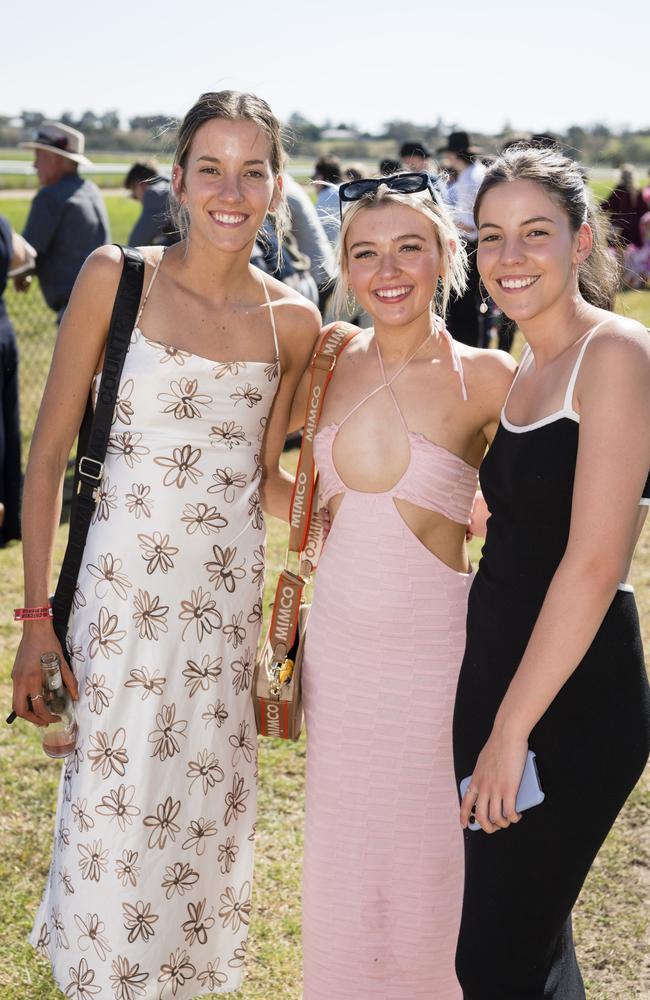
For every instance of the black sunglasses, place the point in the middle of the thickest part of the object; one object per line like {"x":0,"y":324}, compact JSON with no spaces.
{"x":404,"y":183}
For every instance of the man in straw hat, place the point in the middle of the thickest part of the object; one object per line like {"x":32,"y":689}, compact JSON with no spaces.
{"x":463,"y":317}
{"x":67,"y":219}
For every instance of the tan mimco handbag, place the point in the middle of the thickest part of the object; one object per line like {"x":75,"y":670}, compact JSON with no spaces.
{"x":276,"y":680}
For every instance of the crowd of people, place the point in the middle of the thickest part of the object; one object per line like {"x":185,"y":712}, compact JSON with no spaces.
{"x":419,"y":671}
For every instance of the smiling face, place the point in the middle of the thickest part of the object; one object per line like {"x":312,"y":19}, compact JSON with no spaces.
{"x":226,"y":184}
{"x":528,"y":253}
{"x":394,"y":262}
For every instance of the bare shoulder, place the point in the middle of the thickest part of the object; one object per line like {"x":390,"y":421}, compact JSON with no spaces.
{"x":619,"y":350}
{"x":297,"y":319}
{"x":487,"y":370}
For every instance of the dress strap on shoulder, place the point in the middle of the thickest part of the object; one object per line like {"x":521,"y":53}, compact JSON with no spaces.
{"x":457,"y":364}
{"x":149,"y":286}
{"x":523,"y":363}
{"x":568,"y":396}
{"x":272,"y":315}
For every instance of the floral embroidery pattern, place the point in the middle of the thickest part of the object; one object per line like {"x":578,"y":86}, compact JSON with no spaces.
{"x":150,"y":683}
{"x":98,"y":693}
{"x":248,"y":394}
{"x":221,"y":569}
{"x":117,"y":805}
{"x":105,"y":635}
{"x":236,"y":906}
{"x":107,"y":572}
{"x":179,"y":878}
{"x":201,"y":611}
{"x":150,"y":615}
{"x":229,"y":434}
{"x":157,"y":552}
{"x":204,"y":518}
{"x":201,"y":677}
{"x":109,"y":755}
{"x":138,"y":500}
{"x":180,"y":466}
{"x":205,"y":769}
{"x":166,"y":736}
{"x":162,"y":823}
{"x":227,"y":482}
{"x":184,"y":401}
{"x":127,"y":981}
{"x":127,"y":446}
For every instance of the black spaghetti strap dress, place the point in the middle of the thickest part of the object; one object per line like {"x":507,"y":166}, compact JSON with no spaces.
{"x":592,"y":743}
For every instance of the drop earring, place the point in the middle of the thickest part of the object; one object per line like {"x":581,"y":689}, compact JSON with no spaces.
{"x":351,"y":301}
{"x":483,"y":308}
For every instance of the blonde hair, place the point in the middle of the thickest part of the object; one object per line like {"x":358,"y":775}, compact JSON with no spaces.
{"x":231,"y":105}
{"x":452,"y":249}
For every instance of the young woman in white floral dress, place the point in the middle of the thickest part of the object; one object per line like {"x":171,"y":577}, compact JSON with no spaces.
{"x":149,"y":892}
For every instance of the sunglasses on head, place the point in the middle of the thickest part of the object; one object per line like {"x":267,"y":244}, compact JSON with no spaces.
{"x":404,"y":183}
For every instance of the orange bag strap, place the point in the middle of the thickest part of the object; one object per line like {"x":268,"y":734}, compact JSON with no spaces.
{"x":304,"y":523}
{"x":322,"y":368}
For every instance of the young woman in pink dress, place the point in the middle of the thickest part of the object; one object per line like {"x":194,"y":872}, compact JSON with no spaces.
{"x":406,"y":421}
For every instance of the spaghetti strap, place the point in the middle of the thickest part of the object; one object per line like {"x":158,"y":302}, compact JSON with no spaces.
{"x":568,"y":396}
{"x":457,"y":364}
{"x":149,"y":287}
{"x":387,"y":383}
{"x":361,"y":402}
{"x":525,"y":354}
{"x":270,"y":305}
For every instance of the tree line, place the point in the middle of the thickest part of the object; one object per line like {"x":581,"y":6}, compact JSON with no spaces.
{"x":594,"y":144}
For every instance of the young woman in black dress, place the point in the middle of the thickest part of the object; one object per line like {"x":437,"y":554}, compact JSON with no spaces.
{"x":554,"y":660}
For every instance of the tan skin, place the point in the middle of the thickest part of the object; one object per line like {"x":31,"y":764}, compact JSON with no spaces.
{"x":525,"y":235}
{"x":388,"y":247}
{"x":208,"y":300}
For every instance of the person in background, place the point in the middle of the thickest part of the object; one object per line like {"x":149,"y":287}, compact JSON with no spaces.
{"x":67,"y":219}
{"x":388,"y":167}
{"x":463,"y":317}
{"x":625,"y":206}
{"x":307,"y":229}
{"x":353,"y":172}
{"x":415,"y":157}
{"x":154,"y":227}
{"x":16,"y":259}
{"x":326,"y":179}
{"x":636,"y":260}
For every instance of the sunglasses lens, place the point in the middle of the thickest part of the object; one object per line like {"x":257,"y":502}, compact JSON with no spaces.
{"x":354,"y":190}
{"x":408,"y":183}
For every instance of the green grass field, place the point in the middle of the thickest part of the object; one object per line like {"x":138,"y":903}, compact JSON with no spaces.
{"x":611,"y":920}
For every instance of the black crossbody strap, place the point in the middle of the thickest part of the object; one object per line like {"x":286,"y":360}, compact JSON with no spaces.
{"x":94,"y":434}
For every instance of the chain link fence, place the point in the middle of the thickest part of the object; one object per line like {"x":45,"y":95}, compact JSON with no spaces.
{"x":36,"y":327}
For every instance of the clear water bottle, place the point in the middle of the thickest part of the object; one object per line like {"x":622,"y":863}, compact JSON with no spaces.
{"x":59,"y":738}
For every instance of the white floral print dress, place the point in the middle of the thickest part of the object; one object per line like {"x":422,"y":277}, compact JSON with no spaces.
{"x":149,"y":892}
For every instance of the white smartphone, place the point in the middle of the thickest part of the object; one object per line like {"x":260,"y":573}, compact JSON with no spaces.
{"x":530,"y":790}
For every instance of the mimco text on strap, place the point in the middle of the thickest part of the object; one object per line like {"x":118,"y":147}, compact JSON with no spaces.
{"x":276,"y":684}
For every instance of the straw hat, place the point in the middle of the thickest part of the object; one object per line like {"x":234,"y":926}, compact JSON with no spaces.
{"x":60,"y":139}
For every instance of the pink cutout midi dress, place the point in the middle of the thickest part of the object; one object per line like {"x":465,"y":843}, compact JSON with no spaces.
{"x":383,"y":871}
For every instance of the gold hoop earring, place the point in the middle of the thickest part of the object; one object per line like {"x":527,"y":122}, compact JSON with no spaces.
{"x":351,"y":301}
{"x":483,"y":308}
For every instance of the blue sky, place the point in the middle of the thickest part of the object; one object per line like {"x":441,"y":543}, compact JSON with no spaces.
{"x":541,"y":65}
